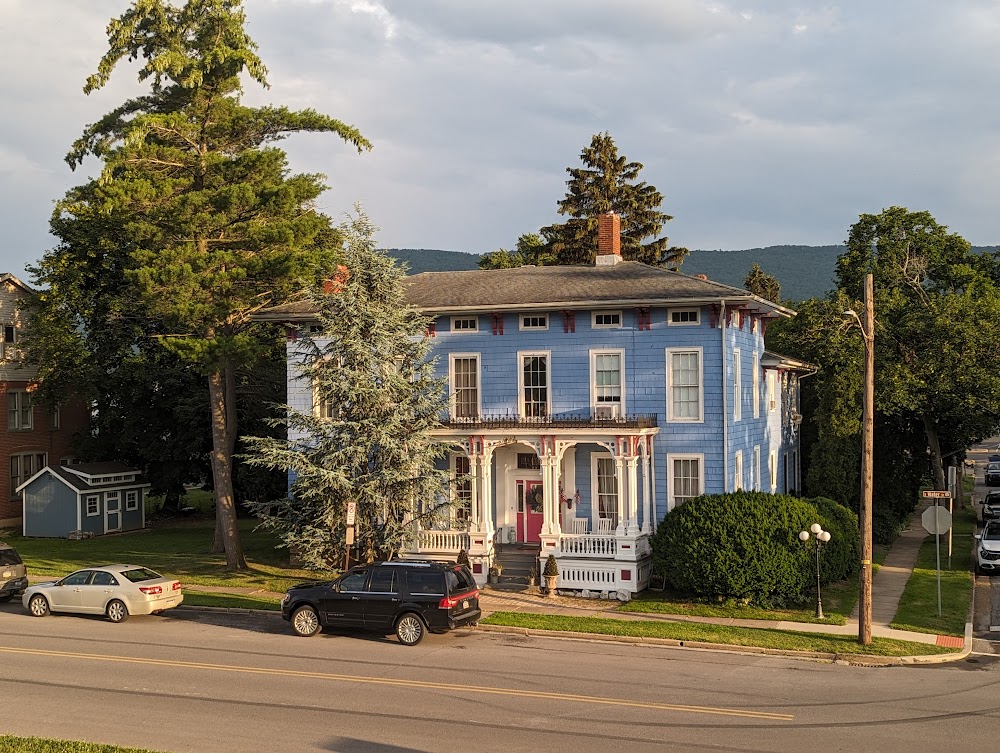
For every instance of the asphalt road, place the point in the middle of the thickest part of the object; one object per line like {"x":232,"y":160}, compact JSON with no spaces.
{"x":199,"y":681}
{"x":987,"y":611}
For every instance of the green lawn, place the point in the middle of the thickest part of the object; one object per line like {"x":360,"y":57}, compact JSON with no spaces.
{"x":11,"y":744}
{"x":231,"y":601}
{"x":733,"y":636}
{"x":838,"y":601}
{"x":181,"y":549}
{"x":918,"y":606}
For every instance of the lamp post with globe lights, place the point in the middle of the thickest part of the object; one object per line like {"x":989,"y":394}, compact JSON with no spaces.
{"x":821,"y":537}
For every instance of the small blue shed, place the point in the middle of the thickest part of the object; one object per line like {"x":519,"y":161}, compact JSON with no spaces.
{"x":95,"y":498}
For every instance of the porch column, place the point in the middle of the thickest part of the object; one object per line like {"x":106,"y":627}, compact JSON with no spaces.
{"x":622,"y":491}
{"x":632,"y":527}
{"x":550,"y":495}
{"x":476,"y":503}
{"x":646,"y":525}
{"x":486,"y":499}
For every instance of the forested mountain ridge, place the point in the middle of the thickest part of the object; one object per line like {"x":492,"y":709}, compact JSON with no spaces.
{"x":803,"y":271}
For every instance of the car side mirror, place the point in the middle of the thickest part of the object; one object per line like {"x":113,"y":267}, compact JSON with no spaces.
{"x":977,"y":536}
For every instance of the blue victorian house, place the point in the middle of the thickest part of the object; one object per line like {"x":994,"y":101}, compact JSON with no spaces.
{"x":586,"y":402}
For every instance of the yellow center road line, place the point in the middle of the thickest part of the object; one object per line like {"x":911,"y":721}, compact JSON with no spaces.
{"x":424,"y":684}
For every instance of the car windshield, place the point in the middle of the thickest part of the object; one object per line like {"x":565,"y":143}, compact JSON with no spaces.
{"x":993,"y":467}
{"x":140,"y":574}
{"x":9,"y":557}
{"x":992,"y":533}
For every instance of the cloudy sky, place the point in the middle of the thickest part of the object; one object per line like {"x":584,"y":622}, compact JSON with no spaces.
{"x":761,"y":121}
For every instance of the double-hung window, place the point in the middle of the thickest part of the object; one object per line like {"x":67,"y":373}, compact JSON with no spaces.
{"x":9,"y":351}
{"x":18,"y":410}
{"x":737,"y":386}
{"x":463,"y":489}
{"x":684,"y":478}
{"x":738,"y":471}
{"x":607,"y":489}
{"x":755,"y":383}
{"x":608,"y":383}
{"x":131,"y":501}
{"x":23,"y":466}
{"x":684,"y":379}
{"x":755,"y":470}
{"x":534,"y":378}
{"x":465,"y":386}
{"x":772,"y":390}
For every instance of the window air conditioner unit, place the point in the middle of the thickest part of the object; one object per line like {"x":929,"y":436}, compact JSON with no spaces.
{"x":607,"y":411}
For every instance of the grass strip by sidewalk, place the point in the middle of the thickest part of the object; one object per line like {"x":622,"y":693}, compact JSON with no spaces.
{"x":733,"y":636}
{"x":12,"y":744}
{"x":917,"y":608}
{"x":230,"y":601}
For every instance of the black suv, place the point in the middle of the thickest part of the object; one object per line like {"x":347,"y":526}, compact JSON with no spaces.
{"x":992,"y":474}
{"x":13,"y":573}
{"x":991,"y":506}
{"x":408,"y":597}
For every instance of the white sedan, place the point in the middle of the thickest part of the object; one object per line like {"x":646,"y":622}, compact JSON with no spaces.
{"x":113,"y":590}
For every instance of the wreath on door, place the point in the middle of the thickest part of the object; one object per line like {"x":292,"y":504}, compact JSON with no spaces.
{"x":535,"y":499}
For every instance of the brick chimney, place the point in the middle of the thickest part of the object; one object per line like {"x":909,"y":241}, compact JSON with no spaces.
{"x":609,"y":239}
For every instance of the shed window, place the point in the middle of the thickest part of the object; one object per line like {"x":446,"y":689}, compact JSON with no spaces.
{"x":131,"y":500}
{"x":93,"y":503}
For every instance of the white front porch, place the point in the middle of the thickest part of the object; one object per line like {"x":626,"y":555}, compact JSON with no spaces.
{"x":525,"y":489}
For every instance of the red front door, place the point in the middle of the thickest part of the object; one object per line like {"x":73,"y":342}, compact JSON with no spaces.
{"x":529,"y":512}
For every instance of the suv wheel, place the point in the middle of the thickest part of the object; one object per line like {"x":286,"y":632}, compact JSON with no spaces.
{"x":305,"y":622}
{"x":410,"y":629}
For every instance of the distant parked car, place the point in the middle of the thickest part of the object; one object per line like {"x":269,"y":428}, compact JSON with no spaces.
{"x":13,"y":573}
{"x":991,"y":506}
{"x":992,"y":474}
{"x":112,"y":590}
{"x":993,"y":459}
{"x":408,"y":597}
{"x":988,"y":551}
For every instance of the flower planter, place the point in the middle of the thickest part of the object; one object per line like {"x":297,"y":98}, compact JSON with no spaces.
{"x":550,"y":583}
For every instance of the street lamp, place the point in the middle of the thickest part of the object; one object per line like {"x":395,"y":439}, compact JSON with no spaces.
{"x":821,"y":538}
{"x":867,"y":327}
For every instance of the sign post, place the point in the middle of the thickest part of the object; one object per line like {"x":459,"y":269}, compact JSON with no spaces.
{"x":352,"y":509}
{"x":937,"y":520}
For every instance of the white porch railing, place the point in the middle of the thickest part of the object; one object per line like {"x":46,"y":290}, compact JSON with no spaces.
{"x":588,"y":545}
{"x":442,"y":541}
{"x":588,"y":576}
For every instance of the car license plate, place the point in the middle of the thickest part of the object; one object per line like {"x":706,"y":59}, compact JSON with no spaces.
{"x":7,"y":573}
{"x":465,"y":603}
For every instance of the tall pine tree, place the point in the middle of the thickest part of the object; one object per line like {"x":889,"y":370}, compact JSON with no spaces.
{"x":216,"y":227}
{"x":762,"y":284}
{"x":368,"y":438}
{"x":608,"y":182}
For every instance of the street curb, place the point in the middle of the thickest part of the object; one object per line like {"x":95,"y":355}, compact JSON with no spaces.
{"x":858,"y":660}
{"x":234,"y":610}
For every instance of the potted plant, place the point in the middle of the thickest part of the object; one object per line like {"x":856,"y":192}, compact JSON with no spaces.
{"x":551,"y":573}
{"x":496,"y":570}
{"x":533,"y":578}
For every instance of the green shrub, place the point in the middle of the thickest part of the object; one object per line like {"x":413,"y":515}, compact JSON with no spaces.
{"x":742,"y":546}
{"x":551,"y":567}
{"x":842,"y":555}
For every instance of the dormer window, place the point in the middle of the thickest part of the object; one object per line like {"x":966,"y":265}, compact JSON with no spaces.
{"x":535,"y":321}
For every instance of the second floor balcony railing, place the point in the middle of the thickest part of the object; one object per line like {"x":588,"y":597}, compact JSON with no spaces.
{"x":560,"y":421}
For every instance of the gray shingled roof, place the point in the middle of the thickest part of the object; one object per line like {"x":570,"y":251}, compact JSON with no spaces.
{"x":627,"y":283}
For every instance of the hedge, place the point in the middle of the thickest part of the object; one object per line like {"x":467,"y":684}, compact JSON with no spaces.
{"x":841,"y":556}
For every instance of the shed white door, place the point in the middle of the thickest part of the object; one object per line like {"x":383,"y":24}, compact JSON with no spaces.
{"x":112,"y":512}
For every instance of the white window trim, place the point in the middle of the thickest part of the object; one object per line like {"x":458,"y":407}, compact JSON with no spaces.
{"x":671,"y":457}
{"x":620,"y":352}
{"x":595,"y":504}
{"x":756,"y":468}
{"x":22,"y":396}
{"x":755,"y":381}
{"x":701,"y":386}
{"x":453,"y":390}
{"x":772,"y":468}
{"x":739,"y":483}
{"x":453,"y":471}
{"x":521,"y":355}
{"x":737,"y":385}
{"x":464,"y":330}
{"x":695,"y":323}
{"x":96,"y":498}
{"x":772,"y":391}
{"x":595,"y":325}
{"x":521,"y":327}
{"x":131,"y":501}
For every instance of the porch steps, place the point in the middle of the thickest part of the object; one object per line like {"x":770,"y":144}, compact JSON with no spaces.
{"x":517,"y":564}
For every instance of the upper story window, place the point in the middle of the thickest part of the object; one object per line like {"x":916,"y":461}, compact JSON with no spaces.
{"x":534,"y":321}
{"x":528,"y":461}
{"x":465,"y":385}
{"x":755,"y":384}
{"x":681,"y":317}
{"x":10,"y":340}
{"x":534,"y":378}
{"x":18,"y":410}
{"x":684,"y":392}
{"x":23,"y":466}
{"x":772,"y":391}
{"x":465,"y":324}
{"x":737,"y":386}
{"x":607,"y":382}
{"x":607,"y":320}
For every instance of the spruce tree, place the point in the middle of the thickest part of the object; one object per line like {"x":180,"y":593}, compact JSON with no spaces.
{"x":608,"y":182}
{"x":213,"y":225}
{"x":368,"y":439}
{"x":762,"y":284}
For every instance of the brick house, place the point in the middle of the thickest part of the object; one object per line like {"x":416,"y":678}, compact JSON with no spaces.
{"x":32,"y":436}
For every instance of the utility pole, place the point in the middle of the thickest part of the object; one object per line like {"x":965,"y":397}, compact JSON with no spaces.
{"x":867,"y":432}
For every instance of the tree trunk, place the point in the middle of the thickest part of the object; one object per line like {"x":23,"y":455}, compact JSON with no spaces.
{"x":229,"y":399}
{"x":222,"y":463}
{"x":937,"y":462}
